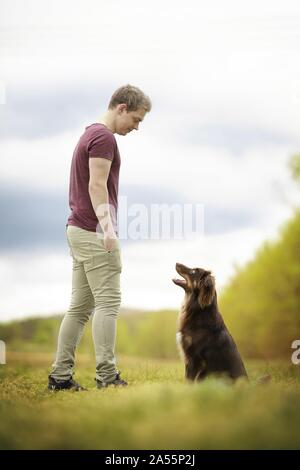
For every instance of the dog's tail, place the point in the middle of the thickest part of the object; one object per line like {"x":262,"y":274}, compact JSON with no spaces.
{"x":265,"y":379}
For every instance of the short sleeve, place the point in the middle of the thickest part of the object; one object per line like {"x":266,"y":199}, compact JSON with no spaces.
{"x":103,"y":145}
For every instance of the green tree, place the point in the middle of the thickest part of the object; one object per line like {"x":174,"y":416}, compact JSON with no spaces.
{"x":294,"y":164}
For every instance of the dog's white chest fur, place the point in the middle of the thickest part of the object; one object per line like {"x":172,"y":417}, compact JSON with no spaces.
{"x":179,"y":342}
{"x":185,"y":341}
{"x":179,"y":338}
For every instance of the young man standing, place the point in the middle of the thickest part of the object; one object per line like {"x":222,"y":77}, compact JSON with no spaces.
{"x":92,"y":235}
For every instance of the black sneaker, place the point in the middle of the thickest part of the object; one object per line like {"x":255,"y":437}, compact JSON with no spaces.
{"x":118,"y":382}
{"x":68,"y":384}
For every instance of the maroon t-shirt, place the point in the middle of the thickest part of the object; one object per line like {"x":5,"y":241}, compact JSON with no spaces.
{"x":96,"y":142}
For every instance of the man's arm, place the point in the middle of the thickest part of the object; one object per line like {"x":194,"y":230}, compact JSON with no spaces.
{"x":99,"y":172}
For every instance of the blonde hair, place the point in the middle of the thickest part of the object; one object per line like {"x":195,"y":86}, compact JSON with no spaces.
{"x":132,"y":96}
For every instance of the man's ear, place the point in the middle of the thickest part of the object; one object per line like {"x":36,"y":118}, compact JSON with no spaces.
{"x":207,"y":291}
{"x":122,"y":107}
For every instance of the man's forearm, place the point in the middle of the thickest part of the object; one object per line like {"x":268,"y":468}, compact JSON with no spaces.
{"x":100,"y":203}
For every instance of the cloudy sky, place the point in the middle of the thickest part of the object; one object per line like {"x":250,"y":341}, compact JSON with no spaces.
{"x":224,"y":81}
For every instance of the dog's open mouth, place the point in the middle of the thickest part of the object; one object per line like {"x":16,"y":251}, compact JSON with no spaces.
{"x":181,"y":270}
{"x":179,"y":282}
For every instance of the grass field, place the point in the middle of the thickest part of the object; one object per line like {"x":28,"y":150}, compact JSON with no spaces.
{"x":157,"y":411}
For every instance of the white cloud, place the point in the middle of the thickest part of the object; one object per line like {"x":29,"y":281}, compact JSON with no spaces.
{"x":40,"y":163}
{"x":34,"y":283}
{"x":2,"y":93}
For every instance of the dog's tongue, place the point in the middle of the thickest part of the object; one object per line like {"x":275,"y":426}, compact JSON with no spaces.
{"x":179,"y":281}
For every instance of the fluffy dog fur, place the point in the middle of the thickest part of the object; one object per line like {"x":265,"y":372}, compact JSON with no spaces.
{"x":206,"y":344}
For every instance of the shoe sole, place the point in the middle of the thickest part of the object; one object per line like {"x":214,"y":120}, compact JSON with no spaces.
{"x":71,"y":389}
{"x":111,"y":385}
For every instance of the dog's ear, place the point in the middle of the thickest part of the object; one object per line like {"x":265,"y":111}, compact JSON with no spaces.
{"x":207,"y":291}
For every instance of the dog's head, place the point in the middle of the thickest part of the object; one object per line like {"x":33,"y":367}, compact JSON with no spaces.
{"x":196,"y":281}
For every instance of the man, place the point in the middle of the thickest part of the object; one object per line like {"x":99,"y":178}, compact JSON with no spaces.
{"x":92,"y":235}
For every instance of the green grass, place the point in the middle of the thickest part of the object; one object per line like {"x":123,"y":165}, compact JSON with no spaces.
{"x":157,"y":411}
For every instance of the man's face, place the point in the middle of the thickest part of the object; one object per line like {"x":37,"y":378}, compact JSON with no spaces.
{"x":127,"y":121}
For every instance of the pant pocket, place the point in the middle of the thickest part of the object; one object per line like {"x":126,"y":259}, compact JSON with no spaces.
{"x":69,"y":245}
{"x":114,"y":259}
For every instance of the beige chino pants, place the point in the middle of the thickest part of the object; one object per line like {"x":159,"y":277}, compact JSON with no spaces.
{"x":95,"y":288}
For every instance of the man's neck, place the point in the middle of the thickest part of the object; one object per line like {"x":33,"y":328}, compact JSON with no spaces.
{"x":108,"y":120}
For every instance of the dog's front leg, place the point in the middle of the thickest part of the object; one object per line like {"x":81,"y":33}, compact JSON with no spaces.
{"x":194,"y":371}
{"x":190,"y":371}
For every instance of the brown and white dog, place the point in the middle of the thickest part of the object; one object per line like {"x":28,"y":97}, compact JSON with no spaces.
{"x":206,"y":344}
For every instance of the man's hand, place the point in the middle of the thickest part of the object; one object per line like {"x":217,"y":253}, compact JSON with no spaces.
{"x":110,"y":241}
